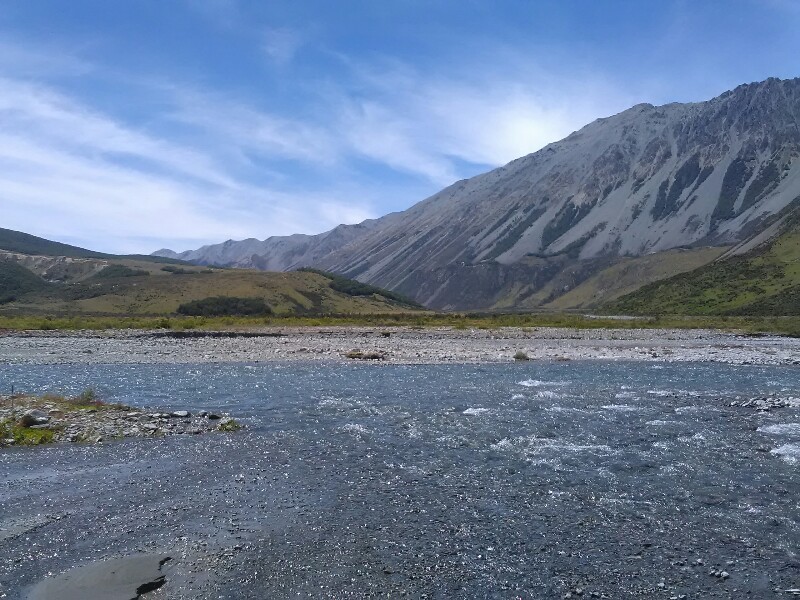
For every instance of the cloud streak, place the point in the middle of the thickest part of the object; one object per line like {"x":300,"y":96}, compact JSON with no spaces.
{"x":213,"y":165}
{"x":66,"y":168}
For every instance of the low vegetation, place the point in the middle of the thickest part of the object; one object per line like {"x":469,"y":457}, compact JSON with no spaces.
{"x":24,"y":436}
{"x":743,"y":324}
{"x":16,"y":280}
{"x":229,"y":425}
{"x":351,"y":287}
{"x":764,"y":282}
{"x":120,"y":291}
{"x":175,"y":270}
{"x":113,"y":271}
{"x":18,"y":431}
{"x":225,"y":306}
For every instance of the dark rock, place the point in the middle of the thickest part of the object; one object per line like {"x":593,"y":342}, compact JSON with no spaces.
{"x":34,"y":417}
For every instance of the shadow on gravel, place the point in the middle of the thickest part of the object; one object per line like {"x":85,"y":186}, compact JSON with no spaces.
{"x":214,"y":334}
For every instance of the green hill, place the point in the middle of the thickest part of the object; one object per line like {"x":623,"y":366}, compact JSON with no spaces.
{"x":131,"y":287}
{"x":762,"y":282}
{"x":16,"y":281}
{"x":25,"y":243}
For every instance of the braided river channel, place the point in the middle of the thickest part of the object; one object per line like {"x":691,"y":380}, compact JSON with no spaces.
{"x":573,"y":479}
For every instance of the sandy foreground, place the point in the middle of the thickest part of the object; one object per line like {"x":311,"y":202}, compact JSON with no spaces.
{"x":396,"y":345}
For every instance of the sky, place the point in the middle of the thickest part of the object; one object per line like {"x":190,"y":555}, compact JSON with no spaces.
{"x":131,"y":126}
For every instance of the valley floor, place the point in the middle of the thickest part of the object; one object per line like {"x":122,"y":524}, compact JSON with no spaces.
{"x":398,"y":345}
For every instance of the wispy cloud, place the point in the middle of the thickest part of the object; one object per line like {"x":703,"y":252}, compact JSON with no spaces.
{"x":212,"y":164}
{"x":281,"y":44}
{"x":64,"y":167}
{"x":428,"y":124}
{"x":248,"y":131}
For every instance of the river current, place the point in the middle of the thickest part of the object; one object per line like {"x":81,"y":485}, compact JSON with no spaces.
{"x":531,"y":480}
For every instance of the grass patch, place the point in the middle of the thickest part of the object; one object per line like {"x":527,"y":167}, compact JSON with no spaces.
{"x":230,"y":425}
{"x":87,"y":400}
{"x":25,"y":436}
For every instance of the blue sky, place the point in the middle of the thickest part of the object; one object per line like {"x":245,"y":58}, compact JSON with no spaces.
{"x":131,"y":126}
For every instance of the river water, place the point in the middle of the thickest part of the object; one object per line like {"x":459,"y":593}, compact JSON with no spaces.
{"x":531,"y":480}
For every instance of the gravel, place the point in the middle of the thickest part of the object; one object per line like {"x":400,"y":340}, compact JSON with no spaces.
{"x":399,"y":345}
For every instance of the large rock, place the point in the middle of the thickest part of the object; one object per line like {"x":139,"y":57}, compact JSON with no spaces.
{"x":34,"y":417}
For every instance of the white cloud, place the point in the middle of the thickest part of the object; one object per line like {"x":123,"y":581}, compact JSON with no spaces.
{"x":66,"y":170}
{"x":389,"y":137}
{"x":281,"y":44}
{"x":210,"y":166}
{"x":37,"y":112}
{"x":247,"y":130}
{"x":421,"y":123}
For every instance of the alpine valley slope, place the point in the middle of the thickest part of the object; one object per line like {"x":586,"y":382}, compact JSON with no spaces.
{"x":46,"y":278}
{"x":642,"y":183}
{"x":755,"y":279}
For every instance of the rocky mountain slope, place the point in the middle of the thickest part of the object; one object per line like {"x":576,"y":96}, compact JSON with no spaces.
{"x":648,"y":180}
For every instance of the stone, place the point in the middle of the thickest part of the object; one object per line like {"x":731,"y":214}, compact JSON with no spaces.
{"x":34,"y":417}
{"x":180,"y":414}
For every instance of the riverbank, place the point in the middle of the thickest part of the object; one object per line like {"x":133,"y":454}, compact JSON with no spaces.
{"x":395,"y":345}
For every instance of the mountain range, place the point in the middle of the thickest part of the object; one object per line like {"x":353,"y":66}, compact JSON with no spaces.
{"x":681,"y":182}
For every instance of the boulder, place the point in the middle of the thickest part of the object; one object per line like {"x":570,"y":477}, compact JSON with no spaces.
{"x":34,"y":417}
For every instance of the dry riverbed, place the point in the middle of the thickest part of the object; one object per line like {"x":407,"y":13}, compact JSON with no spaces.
{"x":399,"y":345}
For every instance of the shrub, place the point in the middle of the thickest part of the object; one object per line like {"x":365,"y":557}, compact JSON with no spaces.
{"x":177,"y":270}
{"x":351,"y":287}
{"x":520,"y":355}
{"x":225,"y":306}
{"x":120,"y":271}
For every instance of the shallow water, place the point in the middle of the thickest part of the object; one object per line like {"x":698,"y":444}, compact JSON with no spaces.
{"x":520,"y":480}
